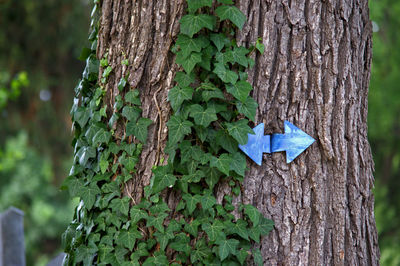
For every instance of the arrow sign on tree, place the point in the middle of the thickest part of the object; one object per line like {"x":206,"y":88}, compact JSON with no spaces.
{"x":294,"y":142}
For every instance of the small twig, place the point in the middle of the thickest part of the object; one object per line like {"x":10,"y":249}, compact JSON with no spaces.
{"x":160,"y":125}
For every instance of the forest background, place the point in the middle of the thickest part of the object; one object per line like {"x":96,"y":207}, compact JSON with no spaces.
{"x":40,"y":46}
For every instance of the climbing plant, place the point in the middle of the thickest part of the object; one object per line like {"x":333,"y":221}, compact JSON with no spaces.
{"x":211,"y":112}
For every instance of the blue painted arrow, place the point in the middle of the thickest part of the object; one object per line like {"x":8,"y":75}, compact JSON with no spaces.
{"x":294,"y":142}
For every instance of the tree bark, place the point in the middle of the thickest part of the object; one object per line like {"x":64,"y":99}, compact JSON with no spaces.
{"x":315,"y":73}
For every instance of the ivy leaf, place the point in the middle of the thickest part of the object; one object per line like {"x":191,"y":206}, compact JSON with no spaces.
{"x":226,"y":247}
{"x":213,"y":230}
{"x":233,"y":14}
{"x":74,"y":185}
{"x":253,"y":214}
{"x":132,"y":97}
{"x":202,"y":117}
{"x":238,"y":163}
{"x":131,"y":113}
{"x":239,"y":228}
{"x":121,"y":84}
{"x":158,"y":259}
{"x":201,"y":252}
{"x":258,"y":259}
{"x":139,"y":128}
{"x":163,"y":238}
{"x":226,"y":141}
{"x":218,"y":40}
{"x":191,"y":202}
{"x":254,"y":233}
{"x":240,"y":90}
{"x":101,"y":136}
{"x":121,"y":205}
{"x":189,"y":45}
{"x":127,"y":238}
{"x":237,"y":55}
{"x":226,"y":2}
{"x":242,"y":255}
{"x":191,"y":227}
{"x":89,"y":197}
{"x":137,"y":214}
{"x":217,"y":93}
{"x":248,"y":108}
{"x":207,"y":201}
{"x":239,"y":130}
{"x":260,"y":46}
{"x":81,"y":116}
{"x":192,"y":24}
{"x":190,"y":62}
{"x":196,"y":4}
{"x":178,"y":128}
{"x":224,"y":74}
{"x":223,"y":163}
{"x":84,"y":154}
{"x":162,"y":179}
{"x":184,"y":79}
{"x":178,"y":94}
{"x":212,"y":177}
{"x":157,"y":221}
{"x":266,"y":226}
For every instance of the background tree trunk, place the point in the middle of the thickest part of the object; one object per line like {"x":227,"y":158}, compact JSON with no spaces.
{"x":315,"y":73}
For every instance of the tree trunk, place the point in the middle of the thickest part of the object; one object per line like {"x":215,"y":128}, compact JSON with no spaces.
{"x":315,"y":73}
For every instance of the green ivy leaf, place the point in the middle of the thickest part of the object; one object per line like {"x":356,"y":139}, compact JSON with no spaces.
{"x":103,"y":165}
{"x":137,"y":214}
{"x":184,"y":79}
{"x":223,"y":163}
{"x":84,"y":154}
{"x":162,"y":179}
{"x":192,"y":24}
{"x":219,"y":40}
{"x":191,"y":227}
{"x":132,"y":97}
{"x":178,"y":94}
{"x":74,"y":185}
{"x":260,"y":46}
{"x":157,"y":221}
{"x":226,"y":141}
{"x":131,"y":113}
{"x":202,"y":117}
{"x":224,"y":74}
{"x":212,"y":177}
{"x":217,"y":93}
{"x":81,"y":116}
{"x":121,"y":205}
{"x":248,"y":108}
{"x":201,"y":252}
{"x":240,"y":90}
{"x":237,"y":55}
{"x":233,"y":14}
{"x":191,"y":202}
{"x":238,"y":163}
{"x":266,"y":226}
{"x":101,"y":136}
{"x":163,"y":238}
{"x":242,"y":255}
{"x":189,"y":45}
{"x":190,"y":62}
{"x":89,"y":197}
{"x":239,"y":228}
{"x":159,"y":259}
{"x":239,"y":130}
{"x":127,"y":238}
{"x":254,"y":233}
{"x":139,"y":128}
{"x":226,"y":2}
{"x":121,"y":84}
{"x":258,"y":259}
{"x":226,"y":247}
{"x":178,"y":128}
{"x":196,"y":4}
{"x":253,"y":214}
{"x":207,"y":201}
{"x":213,"y":230}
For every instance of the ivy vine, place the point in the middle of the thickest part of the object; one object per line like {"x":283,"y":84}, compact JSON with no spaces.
{"x":211,"y":112}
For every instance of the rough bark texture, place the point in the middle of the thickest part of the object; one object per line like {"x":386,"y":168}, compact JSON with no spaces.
{"x":315,"y":73}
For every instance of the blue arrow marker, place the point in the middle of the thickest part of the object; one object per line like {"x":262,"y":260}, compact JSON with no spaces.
{"x":294,"y":142}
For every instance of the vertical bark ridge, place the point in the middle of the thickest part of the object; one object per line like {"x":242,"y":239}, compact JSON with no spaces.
{"x":315,"y":73}
{"x":142,"y":32}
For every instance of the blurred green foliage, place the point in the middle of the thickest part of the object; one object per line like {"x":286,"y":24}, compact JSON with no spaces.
{"x":39,"y":44}
{"x":384,"y":125}
{"x":26,"y":183}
